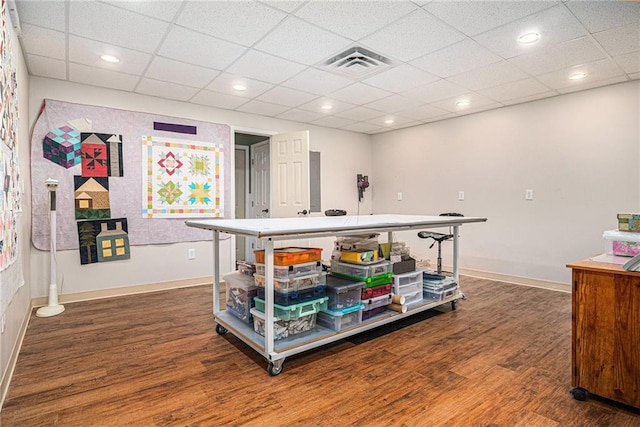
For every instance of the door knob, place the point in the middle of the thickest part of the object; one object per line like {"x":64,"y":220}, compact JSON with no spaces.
{"x":304,"y":212}
{"x":265,"y":210}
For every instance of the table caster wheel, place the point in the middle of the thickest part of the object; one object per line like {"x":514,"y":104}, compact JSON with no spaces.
{"x":454,"y":305}
{"x":221,"y":330}
{"x":275,"y":368}
{"x":579,"y":393}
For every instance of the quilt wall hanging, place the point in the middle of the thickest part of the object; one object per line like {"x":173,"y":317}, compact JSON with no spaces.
{"x":11,"y":276}
{"x":128,"y":174}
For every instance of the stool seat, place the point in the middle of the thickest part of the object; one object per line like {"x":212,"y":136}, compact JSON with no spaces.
{"x":438,"y":237}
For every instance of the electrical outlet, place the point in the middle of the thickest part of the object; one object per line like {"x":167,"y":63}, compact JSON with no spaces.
{"x":399,"y":196}
{"x":191,"y":253}
{"x":460,"y":195}
{"x":528,"y":194}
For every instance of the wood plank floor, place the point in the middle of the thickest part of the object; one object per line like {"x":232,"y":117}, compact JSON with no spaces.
{"x":501,"y":359}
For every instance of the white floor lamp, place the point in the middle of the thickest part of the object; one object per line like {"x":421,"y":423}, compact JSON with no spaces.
{"x":53,"y":308}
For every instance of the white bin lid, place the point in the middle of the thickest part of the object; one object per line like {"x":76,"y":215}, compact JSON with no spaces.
{"x":621,"y":236}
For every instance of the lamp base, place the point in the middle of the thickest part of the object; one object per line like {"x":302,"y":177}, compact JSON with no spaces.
{"x":50,"y":310}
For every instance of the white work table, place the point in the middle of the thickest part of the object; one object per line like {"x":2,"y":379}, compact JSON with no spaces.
{"x":270,"y":230}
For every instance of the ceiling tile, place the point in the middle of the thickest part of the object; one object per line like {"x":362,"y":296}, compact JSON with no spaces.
{"x":455,"y":59}
{"x":489,"y":76}
{"x":361,"y":114}
{"x":300,"y":115}
{"x":165,"y":10}
{"x":359,"y":94}
{"x":393,"y":104}
{"x":316,"y":106}
{"x":422,"y":112}
{"x":47,"y":14}
{"x":168,"y":90}
{"x":634,"y":76}
{"x":600,"y":15}
{"x":298,"y":41}
{"x":406,"y":125}
{"x":531,"y":98}
{"x":353,"y":19}
{"x":218,"y":100}
{"x":262,"y":108}
{"x":286,"y":96}
{"x":43,"y":42}
{"x":362,"y":127}
{"x":591,"y":85}
{"x":332,"y":121}
{"x":265,"y":67}
{"x":102,"y":78}
{"x":630,"y":62}
{"x":435,"y":91}
{"x":400,"y":78}
{"x":438,"y":118}
{"x":47,"y":67}
{"x":87,"y":52}
{"x":224,"y":83}
{"x":286,"y":5}
{"x":109,"y":24}
{"x":475,"y":101}
{"x":598,"y":70}
{"x":555,"y":25}
{"x":618,"y":41}
{"x":413,"y":36}
{"x":475,"y":17}
{"x":243,"y":22}
{"x":195,"y":48}
{"x":172,"y":71}
{"x":577,"y":51}
{"x":479,"y":109}
{"x":317,"y":81}
{"x":514,"y":90}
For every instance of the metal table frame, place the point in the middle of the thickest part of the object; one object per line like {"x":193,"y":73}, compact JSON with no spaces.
{"x":270,"y":230}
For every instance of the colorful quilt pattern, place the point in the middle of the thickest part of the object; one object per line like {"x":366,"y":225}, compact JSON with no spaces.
{"x":181,"y":178}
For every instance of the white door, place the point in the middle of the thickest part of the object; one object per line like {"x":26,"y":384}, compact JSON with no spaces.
{"x":260,"y":190}
{"x":290,"y":174}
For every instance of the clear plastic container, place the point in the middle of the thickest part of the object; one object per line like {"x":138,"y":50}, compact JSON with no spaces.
{"x":400,"y":280}
{"x":381,"y":301}
{"x":432,"y":295}
{"x":289,"y":298}
{"x":240,"y":290}
{"x":409,"y":288}
{"x":291,"y":312}
{"x":341,"y":319}
{"x":290,"y":256}
{"x":284,"y":328}
{"x":342,"y":292}
{"x":621,"y":243}
{"x":360,"y":271}
{"x":294,"y":284}
{"x":291,"y":271}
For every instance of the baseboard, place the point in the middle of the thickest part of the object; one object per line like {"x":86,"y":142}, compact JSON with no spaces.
{"x":8,"y":374}
{"x":123,"y":291}
{"x":516,"y":280}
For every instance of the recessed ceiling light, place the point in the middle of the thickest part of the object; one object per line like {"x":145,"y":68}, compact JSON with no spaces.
{"x":528,"y":38}
{"x":110,"y":58}
{"x":327,"y":107}
{"x":239,"y":87}
{"x":577,"y":76}
{"x":389,"y":121}
{"x":463,"y":103}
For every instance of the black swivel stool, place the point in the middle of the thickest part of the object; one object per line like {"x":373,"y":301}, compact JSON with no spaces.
{"x":438,"y":238}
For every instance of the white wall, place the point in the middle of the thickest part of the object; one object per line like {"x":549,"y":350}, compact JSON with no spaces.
{"x":343,"y":154}
{"x":18,"y":309}
{"x":578,"y":152}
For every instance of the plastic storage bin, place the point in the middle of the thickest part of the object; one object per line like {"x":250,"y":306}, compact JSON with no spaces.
{"x":408,"y":289}
{"x":414,"y":297}
{"x":360,"y":271}
{"x":400,"y":280}
{"x":290,"y":256}
{"x":343,"y":292}
{"x":294,"y":311}
{"x":288,"y":298}
{"x":291,"y":271}
{"x":240,"y":290}
{"x":368,"y":314}
{"x":341,"y":319}
{"x":381,"y":301}
{"x":621,"y":243}
{"x":376,"y":291}
{"x":433,"y":295}
{"x":284,"y":328}
{"x":294,"y":284}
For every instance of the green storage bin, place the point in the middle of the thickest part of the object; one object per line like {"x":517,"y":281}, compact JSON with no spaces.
{"x":294,"y":311}
{"x":369,"y":282}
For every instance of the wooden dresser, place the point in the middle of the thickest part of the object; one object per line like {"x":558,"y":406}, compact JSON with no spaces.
{"x":605,"y":332}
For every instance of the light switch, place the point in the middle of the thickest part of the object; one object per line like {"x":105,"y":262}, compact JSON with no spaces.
{"x":528,"y":194}
{"x":399,"y":196}
{"x":461,"y":195}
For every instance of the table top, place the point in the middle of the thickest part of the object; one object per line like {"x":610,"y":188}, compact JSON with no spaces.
{"x":610,"y":267}
{"x":321,"y":226}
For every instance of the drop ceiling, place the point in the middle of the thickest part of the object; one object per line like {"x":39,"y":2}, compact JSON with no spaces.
{"x":439,"y":53}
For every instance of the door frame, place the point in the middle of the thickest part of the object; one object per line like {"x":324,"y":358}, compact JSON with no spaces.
{"x":247,"y":177}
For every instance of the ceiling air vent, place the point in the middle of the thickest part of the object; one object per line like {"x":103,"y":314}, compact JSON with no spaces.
{"x":357,"y":62}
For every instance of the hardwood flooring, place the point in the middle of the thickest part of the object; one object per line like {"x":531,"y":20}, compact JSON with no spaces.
{"x":503,"y":358}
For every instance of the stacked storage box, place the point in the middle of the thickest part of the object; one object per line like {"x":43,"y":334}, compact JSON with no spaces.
{"x":299,"y":290}
{"x":409,"y":285}
{"x":376,"y":275}
{"x":240,"y":290}
{"x":625,"y":241}
{"x":344,"y":308}
{"x":436,"y":287}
